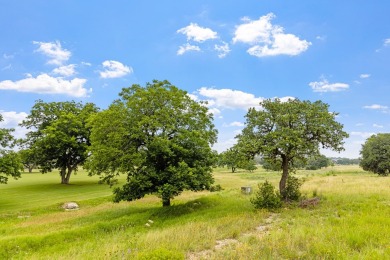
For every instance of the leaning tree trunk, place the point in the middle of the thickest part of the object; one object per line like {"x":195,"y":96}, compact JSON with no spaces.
{"x":283,"y":180}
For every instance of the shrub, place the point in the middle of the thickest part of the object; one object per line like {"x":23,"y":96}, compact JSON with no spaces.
{"x":266,"y":197}
{"x":214,"y":188}
{"x":292,"y":192}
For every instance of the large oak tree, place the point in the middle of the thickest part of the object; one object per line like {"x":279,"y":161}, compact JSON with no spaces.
{"x":59,"y":136}
{"x":159,"y":137}
{"x":285,"y":133}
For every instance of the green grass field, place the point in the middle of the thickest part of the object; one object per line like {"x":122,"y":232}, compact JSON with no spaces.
{"x":351,"y":222}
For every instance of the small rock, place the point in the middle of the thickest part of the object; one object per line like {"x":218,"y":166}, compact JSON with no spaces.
{"x":70,"y":206}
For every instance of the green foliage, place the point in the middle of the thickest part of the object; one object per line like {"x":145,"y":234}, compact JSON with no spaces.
{"x":234,"y":158}
{"x":317,"y":162}
{"x":376,"y":154}
{"x":59,"y":136}
{"x":292,"y":191}
{"x":28,"y":158}
{"x":159,"y":137}
{"x":345,"y":161}
{"x":266,"y":197}
{"x":10,"y":164}
{"x":286,"y":133}
{"x":214,"y":188}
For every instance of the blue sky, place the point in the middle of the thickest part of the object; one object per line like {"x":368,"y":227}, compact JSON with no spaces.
{"x":231,"y":53}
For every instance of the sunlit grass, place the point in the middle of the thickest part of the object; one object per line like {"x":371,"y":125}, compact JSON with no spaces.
{"x":351,"y":221}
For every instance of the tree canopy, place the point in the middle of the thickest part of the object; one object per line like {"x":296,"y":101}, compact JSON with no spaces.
{"x":234,"y":158}
{"x":285,"y":133}
{"x":10,"y":164}
{"x":376,"y":154}
{"x":59,"y":136}
{"x":159,"y":137}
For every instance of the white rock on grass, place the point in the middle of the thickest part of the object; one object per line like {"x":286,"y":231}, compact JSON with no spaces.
{"x":70,"y":206}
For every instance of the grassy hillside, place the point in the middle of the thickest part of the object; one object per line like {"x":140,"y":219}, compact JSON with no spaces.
{"x":351,"y":221}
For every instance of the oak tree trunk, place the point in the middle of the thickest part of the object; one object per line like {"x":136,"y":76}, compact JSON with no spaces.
{"x":283,"y":180}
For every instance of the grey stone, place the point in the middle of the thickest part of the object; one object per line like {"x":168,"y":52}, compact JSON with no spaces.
{"x":70,"y":206}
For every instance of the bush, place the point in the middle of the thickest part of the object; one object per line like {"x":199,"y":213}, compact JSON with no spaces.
{"x":214,"y":188}
{"x":266,"y":197}
{"x":292,"y":192}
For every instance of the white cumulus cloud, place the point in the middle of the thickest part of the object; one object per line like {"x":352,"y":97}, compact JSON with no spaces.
{"x":114,"y":69}
{"x":228,"y":98}
{"x":66,"y":71}
{"x":325,"y":86}
{"x":54,"y":51}
{"x":187,"y":47}
{"x":45,"y":84}
{"x":11,"y":119}
{"x":268,"y":39}
{"x":198,"y":34}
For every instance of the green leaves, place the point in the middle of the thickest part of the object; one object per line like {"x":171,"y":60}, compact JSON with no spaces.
{"x":159,"y":137}
{"x":59,"y":135}
{"x":376,"y":154}
{"x":288,"y":132}
{"x":10,"y":163}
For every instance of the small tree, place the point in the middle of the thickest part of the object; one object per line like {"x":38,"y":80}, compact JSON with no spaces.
{"x":59,"y":137}
{"x":10,"y":164}
{"x":28,"y":159}
{"x":376,"y":154}
{"x":290,"y":132}
{"x":266,"y":197}
{"x":235,"y":159}
{"x":159,"y":137}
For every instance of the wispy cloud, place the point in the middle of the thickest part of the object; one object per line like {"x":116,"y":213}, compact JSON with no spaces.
{"x":325,"y":86}
{"x":268,"y":39}
{"x":365,"y":76}
{"x":187,"y":47}
{"x":376,"y":107}
{"x":222,"y":49}
{"x":114,"y":69}
{"x":54,"y":51}
{"x":234,"y":124}
{"x":386,"y":42}
{"x":377,"y":126}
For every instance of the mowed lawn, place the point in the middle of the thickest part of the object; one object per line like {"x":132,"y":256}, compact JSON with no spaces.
{"x":38,"y":191}
{"x":351,"y":222}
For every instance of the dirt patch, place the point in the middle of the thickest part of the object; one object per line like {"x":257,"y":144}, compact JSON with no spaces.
{"x":259,"y":231}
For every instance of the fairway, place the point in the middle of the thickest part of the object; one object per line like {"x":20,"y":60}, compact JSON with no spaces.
{"x":351,"y":221}
{"x":37,"y":191}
